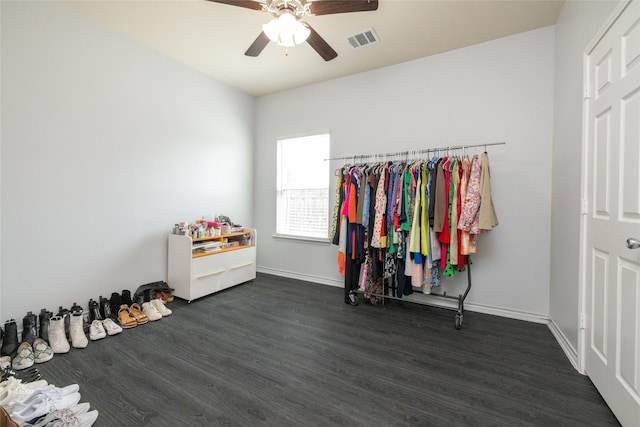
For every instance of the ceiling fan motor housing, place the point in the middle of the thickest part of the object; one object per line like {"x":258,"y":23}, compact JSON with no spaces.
{"x":297,"y":8}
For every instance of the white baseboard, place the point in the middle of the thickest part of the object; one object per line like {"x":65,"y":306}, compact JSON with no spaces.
{"x":565,"y":344}
{"x":300,"y":276}
{"x":507,"y":312}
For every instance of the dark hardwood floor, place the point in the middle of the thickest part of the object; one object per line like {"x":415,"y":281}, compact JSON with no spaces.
{"x":287,"y":353}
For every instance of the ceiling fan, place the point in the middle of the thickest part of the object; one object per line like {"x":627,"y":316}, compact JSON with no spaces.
{"x":286,"y":27}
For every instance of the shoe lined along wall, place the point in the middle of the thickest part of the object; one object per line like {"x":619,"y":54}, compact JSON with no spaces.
{"x":26,"y":397}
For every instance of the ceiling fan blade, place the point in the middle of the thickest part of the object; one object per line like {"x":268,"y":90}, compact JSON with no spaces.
{"x":258,"y":45}
{"x":249,"y":4}
{"x":320,"y":45}
{"x":328,"y":7}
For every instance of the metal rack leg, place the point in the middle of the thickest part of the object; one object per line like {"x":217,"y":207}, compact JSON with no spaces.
{"x":460,"y":314}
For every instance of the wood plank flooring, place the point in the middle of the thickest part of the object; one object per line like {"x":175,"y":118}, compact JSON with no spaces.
{"x":282,"y":352}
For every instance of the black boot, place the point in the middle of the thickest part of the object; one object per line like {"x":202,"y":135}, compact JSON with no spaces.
{"x":105,"y":308}
{"x":44,"y":323}
{"x":126,"y":297}
{"x":115,"y":303}
{"x":10,"y":341}
{"x":29,"y":328}
{"x":94,"y":311}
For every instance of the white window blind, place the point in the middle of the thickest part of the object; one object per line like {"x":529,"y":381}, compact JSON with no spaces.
{"x":303,"y":187}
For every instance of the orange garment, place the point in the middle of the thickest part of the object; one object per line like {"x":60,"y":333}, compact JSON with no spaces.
{"x":352,"y":204}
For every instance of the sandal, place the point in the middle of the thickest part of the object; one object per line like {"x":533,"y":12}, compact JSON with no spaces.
{"x":126,"y":321}
{"x":137,"y":314}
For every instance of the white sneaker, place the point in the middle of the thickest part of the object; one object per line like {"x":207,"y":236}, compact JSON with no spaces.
{"x":43,"y":406}
{"x":159,"y":305}
{"x":150,"y":311}
{"x":96,"y":330}
{"x":111,"y":327}
{"x":62,"y":416}
{"x":66,"y":418}
{"x":13,"y":390}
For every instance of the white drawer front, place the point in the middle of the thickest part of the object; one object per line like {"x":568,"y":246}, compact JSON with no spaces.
{"x":216,"y":272}
{"x":241,"y":272}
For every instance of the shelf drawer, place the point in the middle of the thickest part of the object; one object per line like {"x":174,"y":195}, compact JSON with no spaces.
{"x":240,"y":273}
{"x":208,"y":283}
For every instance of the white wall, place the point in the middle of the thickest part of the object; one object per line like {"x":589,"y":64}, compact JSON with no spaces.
{"x":105,"y":145}
{"x":497,"y":91}
{"x":577,"y":25}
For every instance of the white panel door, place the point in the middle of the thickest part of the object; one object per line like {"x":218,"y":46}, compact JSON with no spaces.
{"x":612,"y":270}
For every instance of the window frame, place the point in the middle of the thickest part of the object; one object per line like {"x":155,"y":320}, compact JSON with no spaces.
{"x":300,"y":237}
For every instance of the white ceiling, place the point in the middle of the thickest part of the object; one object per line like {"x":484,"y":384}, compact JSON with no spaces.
{"x":213,"y":37}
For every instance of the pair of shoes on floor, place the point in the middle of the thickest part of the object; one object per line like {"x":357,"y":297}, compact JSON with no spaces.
{"x":28,"y":354}
{"x":78,"y":415}
{"x":131,"y":316}
{"x":155,"y":309}
{"x":44,"y":401}
{"x":58,"y":337}
{"x":26,"y":375}
{"x":164,"y":296}
{"x":14,"y":389}
{"x":101,"y":328}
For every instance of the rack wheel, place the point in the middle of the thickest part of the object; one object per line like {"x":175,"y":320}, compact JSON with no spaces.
{"x":353,"y":299}
{"x":458,"y":321}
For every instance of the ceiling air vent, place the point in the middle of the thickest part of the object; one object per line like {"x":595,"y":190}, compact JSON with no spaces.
{"x":363,"y":38}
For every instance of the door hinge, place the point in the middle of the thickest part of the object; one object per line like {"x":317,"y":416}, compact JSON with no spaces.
{"x":584,"y":206}
{"x":586,"y":91}
{"x":582,"y":321}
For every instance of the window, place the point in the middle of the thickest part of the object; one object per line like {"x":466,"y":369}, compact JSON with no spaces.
{"x":303,"y":187}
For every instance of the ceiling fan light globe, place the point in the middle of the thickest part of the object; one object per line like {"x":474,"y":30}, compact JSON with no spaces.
{"x":272,"y":30}
{"x":301,"y":34}
{"x":286,"y":30}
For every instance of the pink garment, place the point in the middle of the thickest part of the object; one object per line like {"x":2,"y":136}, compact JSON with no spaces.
{"x":467,"y":241}
{"x":381,"y":207}
{"x":444,"y":236}
{"x":345,"y":207}
{"x":470,"y":216}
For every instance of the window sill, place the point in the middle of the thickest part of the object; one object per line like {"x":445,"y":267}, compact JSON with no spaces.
{"x":302,"y":239}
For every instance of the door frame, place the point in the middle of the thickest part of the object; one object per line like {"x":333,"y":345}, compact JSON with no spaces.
{"x":584,"y":177}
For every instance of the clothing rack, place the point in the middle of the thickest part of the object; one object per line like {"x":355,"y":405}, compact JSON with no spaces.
{"x":412,"y":154}
{"x":460,"y":299}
